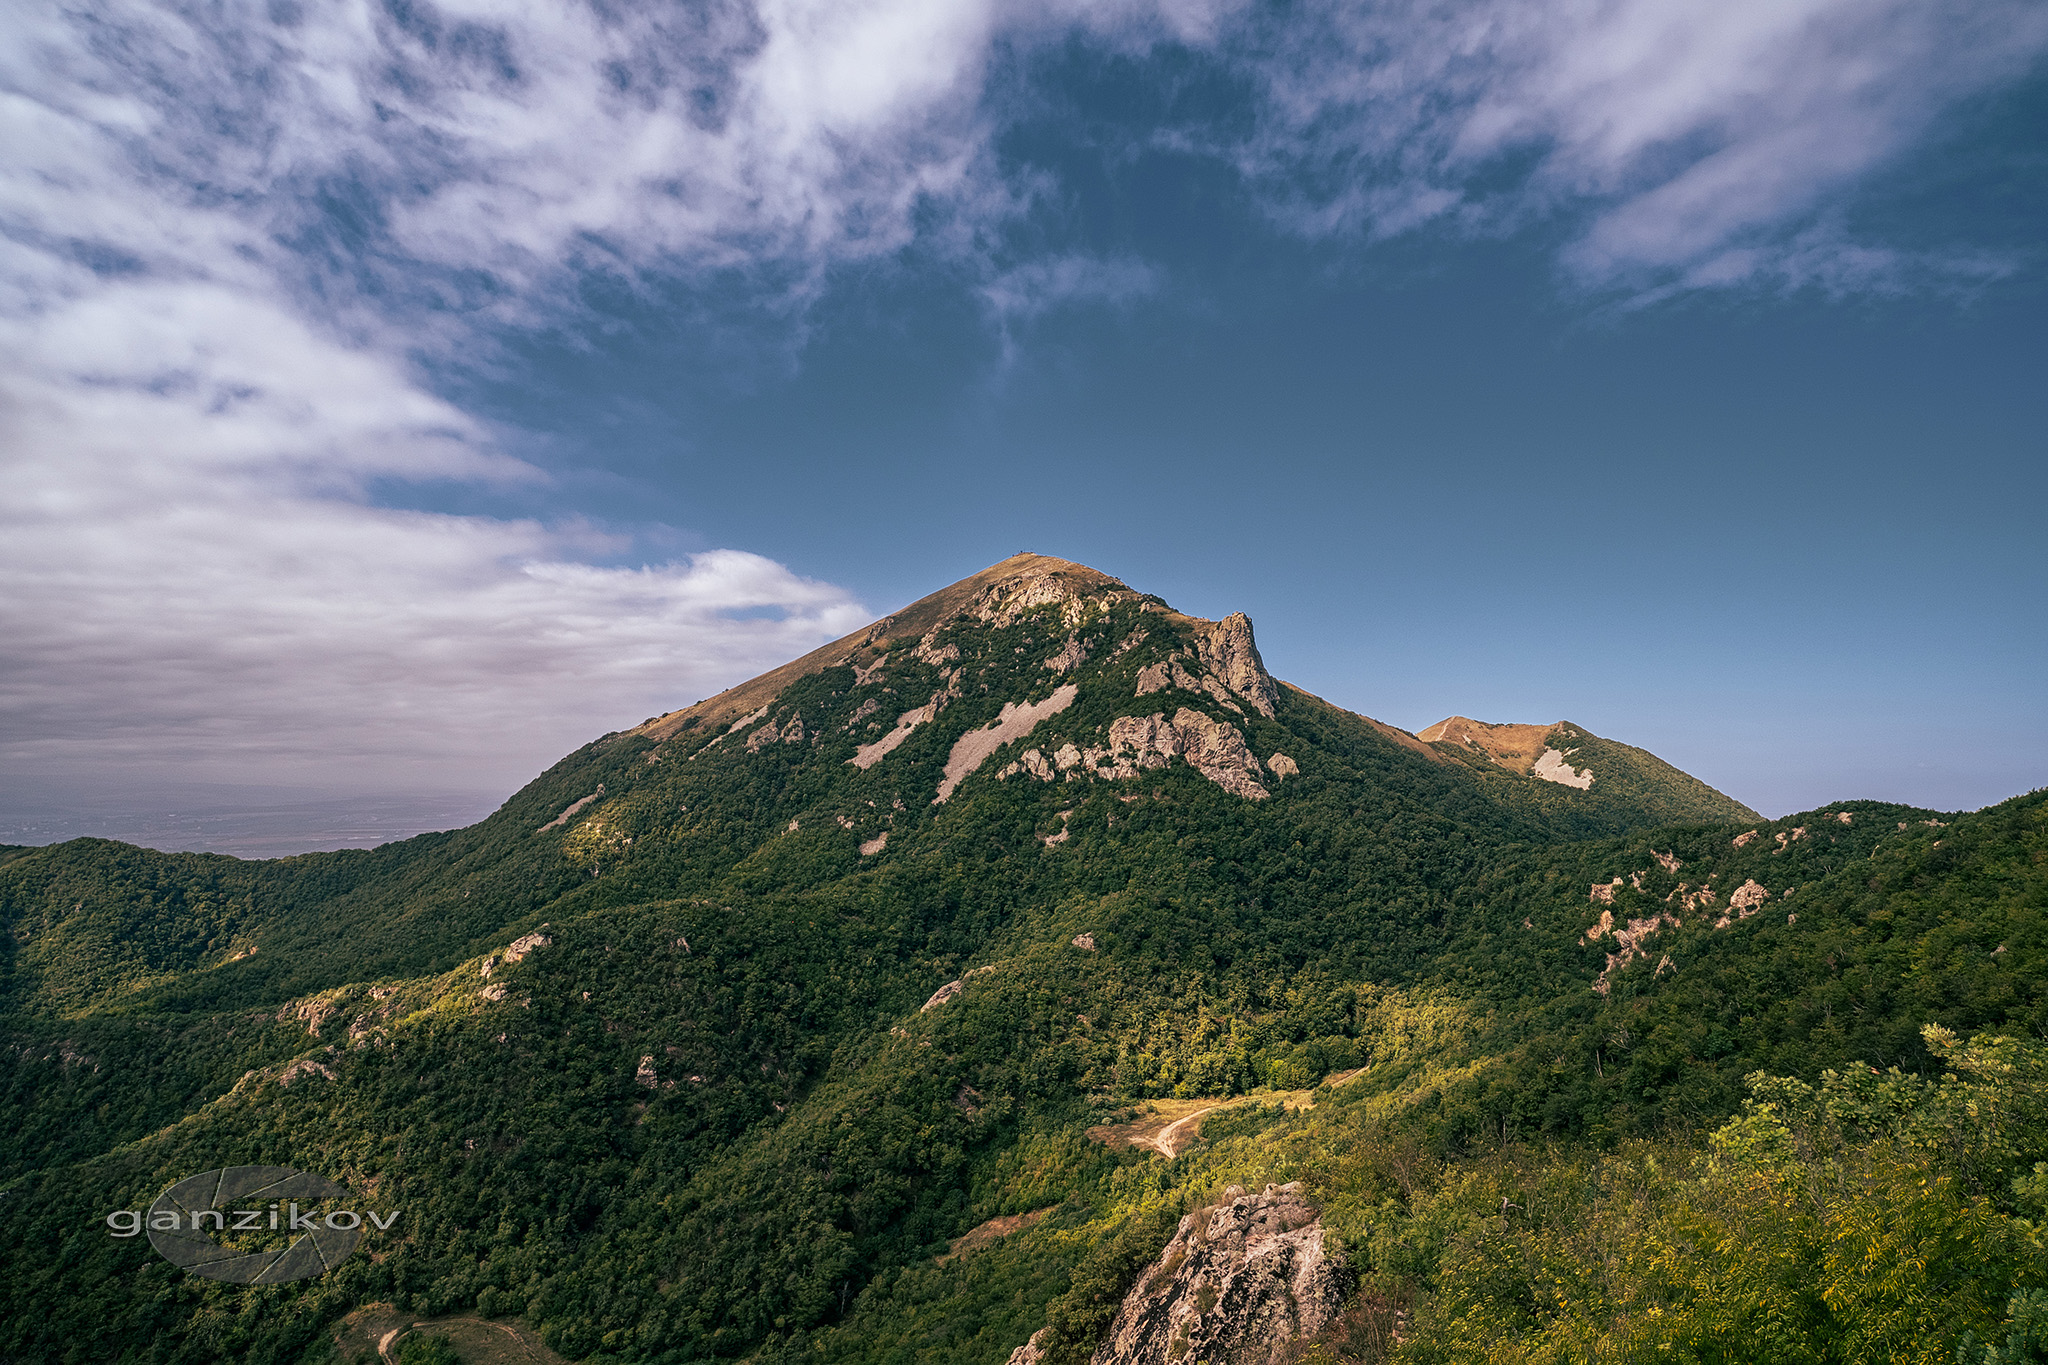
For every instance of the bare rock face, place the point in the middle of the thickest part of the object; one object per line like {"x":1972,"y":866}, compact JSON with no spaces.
{"x":1214,"y":748}
{"x":1002,"y":602}
{"x":1227,"y":648}
{"x":1217,"y":750}
{"x":1231,"y":664}
{"x":1237,"y":1285}
{"x":1152,"y":738}
{"x":1071,"y":657}
{"x":520,"y":947}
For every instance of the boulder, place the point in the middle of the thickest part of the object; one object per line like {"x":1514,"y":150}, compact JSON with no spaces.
{"x":1239,"y":1284}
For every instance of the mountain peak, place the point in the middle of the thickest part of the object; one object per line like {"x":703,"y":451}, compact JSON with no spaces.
{"x":1570,"y":755}
{"x":998,"y":594}
{"x":990,"y":641}
{"x":1033,"y":637}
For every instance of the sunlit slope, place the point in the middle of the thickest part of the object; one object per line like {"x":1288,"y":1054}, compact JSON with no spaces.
{"x":1580,"y":777}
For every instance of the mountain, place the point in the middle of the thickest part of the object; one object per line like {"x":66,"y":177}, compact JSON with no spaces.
{"x":903,"y":1002}
{"x":1572,"y":757}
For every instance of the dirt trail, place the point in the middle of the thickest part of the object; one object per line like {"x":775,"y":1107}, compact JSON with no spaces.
{"x":519,"y":1348}
{"x":1168,"y":1142}
{"x":1169,"y":1126}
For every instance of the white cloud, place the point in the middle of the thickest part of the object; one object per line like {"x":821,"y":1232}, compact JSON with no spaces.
{"x":196,"y":405}
{"x":484,"y":158}
{"x":1691,"y":141}
{"x":1031,"y":289}
{"x":187,"y":577}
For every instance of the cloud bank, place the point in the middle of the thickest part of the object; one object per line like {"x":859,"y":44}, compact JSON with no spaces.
{"x":238,"y":236}
{"x":192,"y":589}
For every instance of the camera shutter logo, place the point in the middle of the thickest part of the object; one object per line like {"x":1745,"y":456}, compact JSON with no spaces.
{"x":253,"y":1198}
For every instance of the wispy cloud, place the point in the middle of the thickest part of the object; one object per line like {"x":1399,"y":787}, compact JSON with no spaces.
{"x":229,"y":234}
{"x":476,"y":156}
{"x":446,"y":163}
{"x":189,"y":577}
{"x":1680,"y":144}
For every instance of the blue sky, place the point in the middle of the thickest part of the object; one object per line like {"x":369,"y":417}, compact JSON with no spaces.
{"x":401,"y":395}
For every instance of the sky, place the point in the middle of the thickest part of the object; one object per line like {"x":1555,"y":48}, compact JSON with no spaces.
{"x":394,"y":397}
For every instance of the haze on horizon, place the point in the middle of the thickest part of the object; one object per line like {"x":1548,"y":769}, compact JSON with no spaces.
{"x":396,"y":398}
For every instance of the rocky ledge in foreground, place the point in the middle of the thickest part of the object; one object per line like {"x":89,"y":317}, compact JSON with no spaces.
{"x":1237,"y":1285}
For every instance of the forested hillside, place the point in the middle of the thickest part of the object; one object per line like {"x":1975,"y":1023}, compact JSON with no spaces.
{"x":710,"y":1041}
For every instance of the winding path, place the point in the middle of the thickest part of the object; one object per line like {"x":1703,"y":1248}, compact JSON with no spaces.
{"x":384,"y":1346}
{"x":1164,"y":1144}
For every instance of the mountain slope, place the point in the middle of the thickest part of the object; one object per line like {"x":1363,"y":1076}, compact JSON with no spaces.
{"x":820,"y":973}
{"x":1571,"y":757}
{"x":856,"y":737}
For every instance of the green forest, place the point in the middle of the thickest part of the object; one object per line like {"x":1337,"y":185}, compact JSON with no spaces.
{"x":645,"y":1060}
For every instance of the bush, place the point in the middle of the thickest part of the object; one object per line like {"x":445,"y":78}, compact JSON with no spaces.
{"x":419,"y":1349}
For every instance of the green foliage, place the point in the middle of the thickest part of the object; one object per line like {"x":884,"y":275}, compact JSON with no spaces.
{"x":423,"y":1348}
{"x":1842,"y":1221}
{"x":2025,"y":1340}
{"x":708,"y":1119}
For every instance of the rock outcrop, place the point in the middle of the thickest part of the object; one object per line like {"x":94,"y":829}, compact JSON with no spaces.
{"x":1212,"y":747}
{"x":1002,"y":602}
{"x":1745,"y":900}
{"x":1217,"y":750}
{"x":1238,"y":1285}
{"x":518,"y":949}
{"x":1226,"y":647}
{"x":1628,"y":943}
{"x":1230,"y":666}
{"x":1030,"y":1353}
{"x":1070,"y":657}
